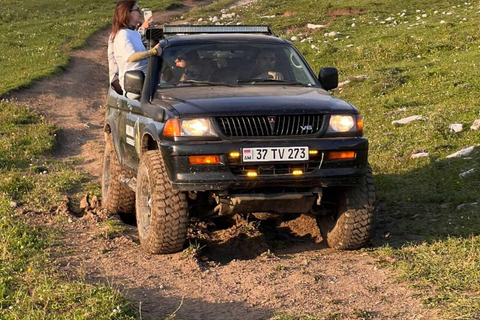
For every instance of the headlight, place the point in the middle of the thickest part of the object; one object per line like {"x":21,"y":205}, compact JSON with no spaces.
{"x":189,"y":128}
{"x":345,"y":123}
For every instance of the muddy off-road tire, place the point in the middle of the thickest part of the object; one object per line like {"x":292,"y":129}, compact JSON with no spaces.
{"x":116,"y":196}
{"x":350,"y":228}
{"x":162,"y":214}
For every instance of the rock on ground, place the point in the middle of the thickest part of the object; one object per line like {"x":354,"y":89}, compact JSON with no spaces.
{"x":461,"y":153}
{"x":419,"y":155}
{"x":476,"y":125}
{"x":465,"y":174}
{"x":407,"y":120}
{"x":456,"y":127}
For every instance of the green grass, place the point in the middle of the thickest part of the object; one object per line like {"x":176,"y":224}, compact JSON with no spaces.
{"x":425,"y":67}
{"x":37,"y":35}
{"x":30,"y":286}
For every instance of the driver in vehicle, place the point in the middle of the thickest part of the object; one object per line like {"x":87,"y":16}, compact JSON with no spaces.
{"x":266,"y":66}
{"x":186,"y":68}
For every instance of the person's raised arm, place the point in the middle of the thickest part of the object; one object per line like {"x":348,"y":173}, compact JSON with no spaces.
{"x":140,"y":55}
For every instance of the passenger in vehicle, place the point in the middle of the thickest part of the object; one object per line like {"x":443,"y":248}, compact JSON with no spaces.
{"x":266,"y":65}
{"x":128,"y":50}
{"x":112,"y":64}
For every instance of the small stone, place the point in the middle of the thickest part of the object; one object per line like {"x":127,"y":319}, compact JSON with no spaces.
{"x":444,"y":206}
{"x":215,"y":19}
{"x":294,"y":38}
{"x":267,"y":17}
{"x":316,"y":26}
{"x":361,"y":77}
{"x":442,"y":21}
{"x":461,"y":153}
{"x":465,"y":174}
{"x":350,"y":45}
{"x":476,"y":125}
{"x":332,"y":34}
{"x":464,"y":205}
{"x":407,"y":120}
{"x":456,"y":127}
{"x":341,"y":84}
{"x":353,"y":25}
{"x":13,"y":205}
{"x":200,"y":19}
{"x":419,"y":155}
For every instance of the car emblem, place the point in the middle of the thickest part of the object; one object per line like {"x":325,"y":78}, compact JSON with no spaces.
{"x":272,"y":120}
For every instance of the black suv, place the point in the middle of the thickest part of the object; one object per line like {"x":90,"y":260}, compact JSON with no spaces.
{"x":231,"y":119}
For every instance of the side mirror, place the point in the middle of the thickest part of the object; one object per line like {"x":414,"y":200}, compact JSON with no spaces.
{"x":134,"y":81}
{"x":328,"y":78}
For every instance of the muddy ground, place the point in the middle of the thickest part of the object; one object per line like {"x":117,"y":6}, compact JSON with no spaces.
{"x":238,"y":269}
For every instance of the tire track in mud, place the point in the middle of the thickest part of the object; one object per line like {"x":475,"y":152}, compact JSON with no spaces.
{"x":246,"y":270}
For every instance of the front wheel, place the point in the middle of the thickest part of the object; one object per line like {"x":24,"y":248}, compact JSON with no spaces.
{"x":351,"y":225}
{"x":162,"y":215}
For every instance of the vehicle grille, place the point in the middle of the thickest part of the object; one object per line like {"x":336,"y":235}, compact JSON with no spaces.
{"x":261,"y":126}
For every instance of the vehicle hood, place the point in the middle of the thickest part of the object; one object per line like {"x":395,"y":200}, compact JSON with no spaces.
{"x":190,"y":102}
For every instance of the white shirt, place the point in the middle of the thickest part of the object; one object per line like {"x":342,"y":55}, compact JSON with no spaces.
{"x":126,"y":43}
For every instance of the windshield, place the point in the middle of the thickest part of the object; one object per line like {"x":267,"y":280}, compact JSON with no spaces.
{"x":233,"y":64}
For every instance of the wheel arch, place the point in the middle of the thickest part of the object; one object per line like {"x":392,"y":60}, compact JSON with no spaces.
{"x":150,"y":139}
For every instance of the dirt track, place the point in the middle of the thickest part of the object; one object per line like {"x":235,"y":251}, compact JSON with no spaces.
{"x":245,"y":271}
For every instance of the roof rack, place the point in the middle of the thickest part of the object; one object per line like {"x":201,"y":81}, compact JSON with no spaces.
{"x":196,"y":29}
{"x":158,"y":33}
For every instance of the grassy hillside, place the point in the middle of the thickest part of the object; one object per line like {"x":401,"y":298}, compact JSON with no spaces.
{"x":419,"y":58}
{"x":38,"y":34}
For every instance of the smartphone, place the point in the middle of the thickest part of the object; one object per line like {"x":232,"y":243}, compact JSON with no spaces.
{"x":147,"y":13}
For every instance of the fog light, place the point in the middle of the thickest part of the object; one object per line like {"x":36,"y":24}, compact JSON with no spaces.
{"x":204,"y":159}
{"x":313,"y":152}
{"x":341,"y":155}
{"x":234,"y":155}
{"x":252,"y":174}
{"x":297,"y":172}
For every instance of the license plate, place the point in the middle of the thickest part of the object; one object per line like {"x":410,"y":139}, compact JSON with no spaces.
{"x":275,"y":154}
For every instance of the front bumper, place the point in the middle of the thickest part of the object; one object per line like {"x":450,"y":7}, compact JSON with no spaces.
{"x":187,"y":177}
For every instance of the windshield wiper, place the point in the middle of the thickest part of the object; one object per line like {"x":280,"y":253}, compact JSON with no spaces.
{"x":208,"y":83}
{"x":256,"y":80}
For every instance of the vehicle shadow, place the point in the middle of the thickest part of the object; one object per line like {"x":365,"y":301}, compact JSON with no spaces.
{"x":429,"y":203}
{"x":247,"y":240}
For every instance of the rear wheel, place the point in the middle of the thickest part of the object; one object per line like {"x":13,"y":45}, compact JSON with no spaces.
{"x":350,"y":226}
{"x":162,"y":215}
{"x":116,"y":197}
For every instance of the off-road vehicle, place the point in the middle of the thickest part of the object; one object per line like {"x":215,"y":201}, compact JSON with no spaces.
{"x":232,"y":119}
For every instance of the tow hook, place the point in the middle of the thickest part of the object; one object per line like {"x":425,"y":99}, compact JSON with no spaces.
{"x":319,"y":193}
